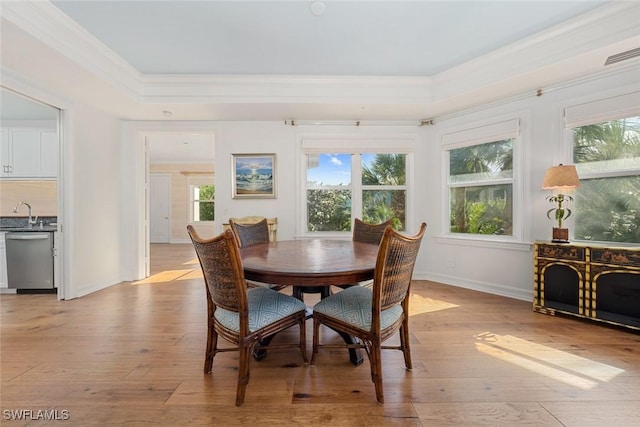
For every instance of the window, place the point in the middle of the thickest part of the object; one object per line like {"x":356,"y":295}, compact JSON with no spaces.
{"x":604,"y":141}
{"x":607,"y":203}
{"x":384,"y":192}
{"x":329,"y":192}
{"x":202,"y":202}
{"x":481,"y":178}
{"x":359,"y":183}
{"x":481,"y":188}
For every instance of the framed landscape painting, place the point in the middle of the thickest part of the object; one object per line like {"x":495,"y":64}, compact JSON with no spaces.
{"x":254,"y":176}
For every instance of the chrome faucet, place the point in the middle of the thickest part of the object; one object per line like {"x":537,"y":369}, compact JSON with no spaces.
{"x":31,"y":219}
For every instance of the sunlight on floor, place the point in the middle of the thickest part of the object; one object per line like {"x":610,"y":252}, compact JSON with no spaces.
{"x":420,"y":305}
{"x":192,"y":271}
{"x":562,"y":366}
{"x":170,"y":276}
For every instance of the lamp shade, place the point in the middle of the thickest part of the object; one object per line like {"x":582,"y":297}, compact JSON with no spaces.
{"x":561,"y":177}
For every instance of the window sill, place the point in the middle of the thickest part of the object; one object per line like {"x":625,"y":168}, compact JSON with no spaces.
{"x":484,"y":243}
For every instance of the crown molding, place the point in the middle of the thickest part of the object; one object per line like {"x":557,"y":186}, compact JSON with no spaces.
{"x":258,"y":88}
{"x":45,"y":22}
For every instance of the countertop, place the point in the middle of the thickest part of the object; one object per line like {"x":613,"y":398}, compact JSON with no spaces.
{"x":17,"y":223}
{"x":34,"y":229}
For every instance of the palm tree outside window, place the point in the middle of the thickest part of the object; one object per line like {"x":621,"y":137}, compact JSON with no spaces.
{"x":607,"y":204}
{"x":343,"y":186}
{"x":481,"y":188}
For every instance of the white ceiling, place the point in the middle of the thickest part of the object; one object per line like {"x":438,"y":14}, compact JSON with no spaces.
{"x":355,"y":38}
{"x":277,"y":60}
{"x":181,"y":147}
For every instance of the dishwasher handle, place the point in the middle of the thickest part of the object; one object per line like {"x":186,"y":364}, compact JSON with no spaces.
{"x":26,"y":236}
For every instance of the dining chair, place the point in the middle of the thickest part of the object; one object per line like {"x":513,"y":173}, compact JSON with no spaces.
{"x":367,"y":233}
{"x":375,"y":314}
{"x":252,"y":219}
{"x":248,"y":234}
{"x":362,"y":232}
{"x":241,"y":315}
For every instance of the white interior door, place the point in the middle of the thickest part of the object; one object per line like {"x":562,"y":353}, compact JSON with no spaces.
{"x":159,"y":208}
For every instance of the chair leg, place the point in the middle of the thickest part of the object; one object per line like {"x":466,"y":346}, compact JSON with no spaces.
{"x":316,"y":340}
{"x":404,"y":344}
{"x":245,"y":352}
{"x":303,"y":340}
{"x":375,"y":360}
{"x":212,"y":347}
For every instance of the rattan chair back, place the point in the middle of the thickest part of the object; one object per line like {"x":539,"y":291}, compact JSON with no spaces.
{"x":369,"y":233}
{"x":222,"y":269}
{"x":250,"y":234}
{"x":394,"y":268}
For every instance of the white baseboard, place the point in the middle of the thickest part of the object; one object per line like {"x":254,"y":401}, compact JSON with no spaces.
{"x":490,"y":288}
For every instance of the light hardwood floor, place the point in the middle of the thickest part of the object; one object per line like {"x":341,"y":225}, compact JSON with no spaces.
{"x":132,"y":355}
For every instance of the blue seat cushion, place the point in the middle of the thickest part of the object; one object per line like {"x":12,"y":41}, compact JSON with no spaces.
{"x":353,"y":306}
{"x":266,"y":306}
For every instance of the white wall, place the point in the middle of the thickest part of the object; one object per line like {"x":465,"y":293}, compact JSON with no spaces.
{"x":257,"y":137}
{"x":93,"y":225}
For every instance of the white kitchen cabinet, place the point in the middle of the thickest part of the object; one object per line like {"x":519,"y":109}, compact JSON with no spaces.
{"x":29,"y":153}
{"x":49,"y":154}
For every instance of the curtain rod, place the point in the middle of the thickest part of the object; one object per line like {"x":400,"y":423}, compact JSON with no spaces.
{"x":356,"y":123}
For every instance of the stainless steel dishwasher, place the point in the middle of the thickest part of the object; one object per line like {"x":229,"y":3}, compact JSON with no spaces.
{"x":29,"y":260}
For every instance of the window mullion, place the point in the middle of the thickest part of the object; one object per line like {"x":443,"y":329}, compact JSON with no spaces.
{"x":356,"y":184}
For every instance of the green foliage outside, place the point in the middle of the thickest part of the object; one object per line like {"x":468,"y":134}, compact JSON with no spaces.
{"x":475,"y":209}
{"x":608,"y":209}
{"x":330,"y":209}
{"x":486,"y":217}
{"x":381,"y":205}
{"x":206,"y":197}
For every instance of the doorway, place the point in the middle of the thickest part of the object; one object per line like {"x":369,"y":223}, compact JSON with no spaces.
{"x":159,"y":208}
{"x":30,"y":152}
{"x":178,"y":157}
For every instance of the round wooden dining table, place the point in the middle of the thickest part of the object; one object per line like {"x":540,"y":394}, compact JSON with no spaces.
{"x":311,"y":263}
{"x":314,"y":262}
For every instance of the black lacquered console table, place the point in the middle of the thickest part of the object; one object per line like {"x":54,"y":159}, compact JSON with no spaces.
{"x":600,"y":283}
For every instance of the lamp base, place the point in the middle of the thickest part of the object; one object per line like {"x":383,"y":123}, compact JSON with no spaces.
{"x":560,"y":235}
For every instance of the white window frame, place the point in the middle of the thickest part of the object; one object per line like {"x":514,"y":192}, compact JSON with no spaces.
{"x":399,"y":144}
{"x":482,"y":133}
{"x":196,"y":181}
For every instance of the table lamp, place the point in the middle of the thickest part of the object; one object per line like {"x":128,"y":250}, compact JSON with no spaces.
{"x":560,"y":179}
